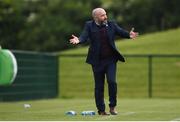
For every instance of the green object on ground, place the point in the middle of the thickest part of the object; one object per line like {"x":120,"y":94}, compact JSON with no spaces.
{"x":8,"y":67}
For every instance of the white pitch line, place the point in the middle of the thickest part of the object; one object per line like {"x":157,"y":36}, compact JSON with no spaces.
{"x":119,"y":114}
{"x":105,"y":117}
{"x":127,"y":113}
{"x":175,"y":120}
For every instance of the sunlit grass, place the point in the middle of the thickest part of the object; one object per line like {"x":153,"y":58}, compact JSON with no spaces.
{"x":76,"y":78}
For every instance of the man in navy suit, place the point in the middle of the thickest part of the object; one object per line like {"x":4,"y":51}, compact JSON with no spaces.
{"x":103,"y":55}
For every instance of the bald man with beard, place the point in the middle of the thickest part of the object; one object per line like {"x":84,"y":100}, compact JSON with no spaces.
{"x":103,"y":55}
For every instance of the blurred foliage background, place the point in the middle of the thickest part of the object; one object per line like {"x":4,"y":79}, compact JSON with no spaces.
{"x":47,"y":25}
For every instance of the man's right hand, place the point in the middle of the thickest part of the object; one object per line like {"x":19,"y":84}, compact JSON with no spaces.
{"x":74,"y":40}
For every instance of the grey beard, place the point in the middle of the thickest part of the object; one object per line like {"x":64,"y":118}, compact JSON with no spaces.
{"x":104,"y":23}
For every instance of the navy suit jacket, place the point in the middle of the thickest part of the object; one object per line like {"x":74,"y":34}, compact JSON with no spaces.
{"x":91,"y":33}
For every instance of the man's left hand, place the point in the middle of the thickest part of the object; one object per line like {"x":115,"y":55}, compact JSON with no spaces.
{"x":133,"y":34}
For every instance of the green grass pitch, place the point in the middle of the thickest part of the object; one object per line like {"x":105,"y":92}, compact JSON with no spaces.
{"x":55,"y":109}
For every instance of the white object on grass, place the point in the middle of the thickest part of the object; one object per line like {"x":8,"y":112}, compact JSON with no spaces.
{"x":27,"y":106}
{"x":71,"y":113}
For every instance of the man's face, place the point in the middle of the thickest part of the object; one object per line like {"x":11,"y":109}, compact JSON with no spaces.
{"x":101,"y":16}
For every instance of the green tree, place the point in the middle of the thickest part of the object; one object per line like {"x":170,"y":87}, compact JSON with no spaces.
{"x":11,"y":23}
{"x":42,"y":25}
{"x":145,"y":15}
{"x":47,"y":25}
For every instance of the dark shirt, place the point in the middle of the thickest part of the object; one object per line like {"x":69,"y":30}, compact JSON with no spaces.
{"x":106,"y":49}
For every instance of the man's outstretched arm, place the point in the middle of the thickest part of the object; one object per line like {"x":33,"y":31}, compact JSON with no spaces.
{"x":125,"y":34}
{"x":83,"y":37}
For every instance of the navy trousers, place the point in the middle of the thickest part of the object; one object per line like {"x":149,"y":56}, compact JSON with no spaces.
{"x":106,"y":68}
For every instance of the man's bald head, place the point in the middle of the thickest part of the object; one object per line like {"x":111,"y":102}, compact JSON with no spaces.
{"x":97,"y":11}
{"x":99,"y":15}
